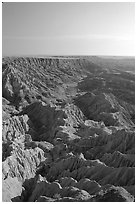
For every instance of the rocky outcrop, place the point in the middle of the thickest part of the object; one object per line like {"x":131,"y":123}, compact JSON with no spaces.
{"x":11,"y":188}
{"x":112,"y":194}
{"x":23,"y":164}
{"x":68,"y":130}
{"x":104,"y":107}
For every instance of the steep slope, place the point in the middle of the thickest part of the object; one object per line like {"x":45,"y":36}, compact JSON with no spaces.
{"x":68,"y":129}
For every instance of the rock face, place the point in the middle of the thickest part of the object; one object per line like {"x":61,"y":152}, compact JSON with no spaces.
{"x":68,"y":130}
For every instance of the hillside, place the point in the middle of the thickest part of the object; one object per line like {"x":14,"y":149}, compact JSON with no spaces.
{"x":68,"y":129}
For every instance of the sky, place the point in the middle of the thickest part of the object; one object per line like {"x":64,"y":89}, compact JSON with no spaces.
{"x":68,"y":28}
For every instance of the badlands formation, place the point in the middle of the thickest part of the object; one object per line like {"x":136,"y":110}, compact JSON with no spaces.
{"x":68,"y":129}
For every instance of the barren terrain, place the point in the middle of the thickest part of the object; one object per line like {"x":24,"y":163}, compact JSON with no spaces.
{"x":68,"y":129}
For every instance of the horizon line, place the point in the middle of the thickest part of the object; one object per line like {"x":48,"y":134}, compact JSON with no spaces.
{"x":75,"y":55}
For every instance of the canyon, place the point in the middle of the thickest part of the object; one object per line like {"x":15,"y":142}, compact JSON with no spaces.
{"x":68,"y":129}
